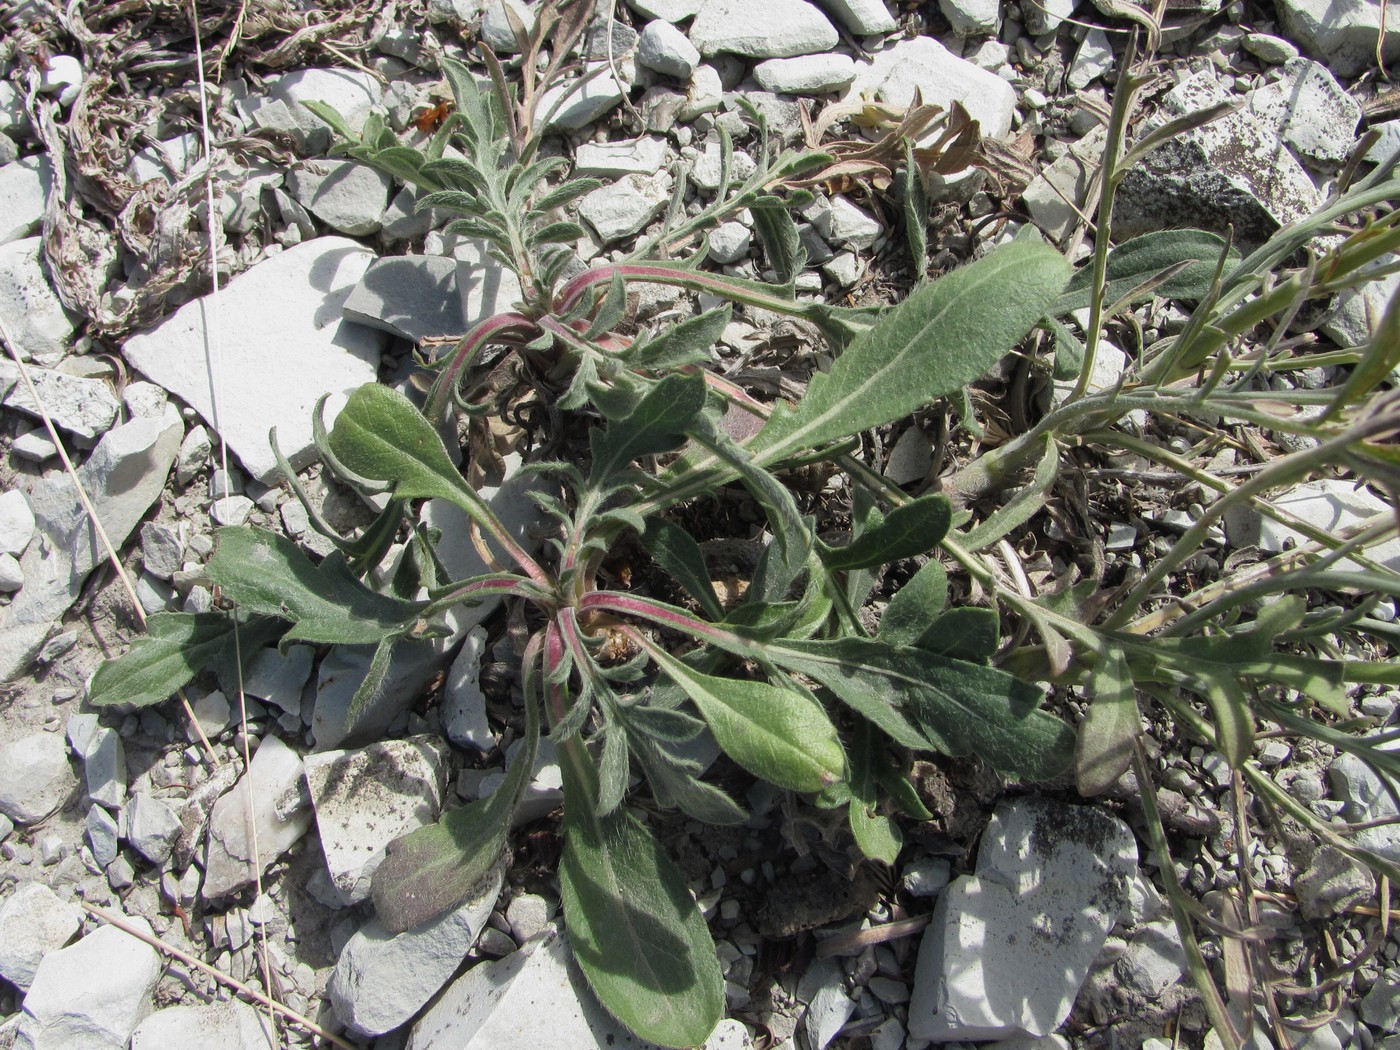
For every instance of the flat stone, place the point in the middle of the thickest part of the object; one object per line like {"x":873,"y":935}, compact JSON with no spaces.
{"x":24,"y":184}
{"x":193,"y":455}
{"x":910,"y":460}
{"x":1367,"y":799}
{"x":463,"y":703}
{"x":1381,"y":1005}
{"x":774,"y":29}
{"x":1046,"y":16}
{"x":1309,"y":111}
{"x":83,"y":407}
{"x":576,"y":104}
{"x":972,"y":17}
{"x":642,"y":156}
{"x":1154,"y":960}
{"x":528,"y":914}
{"x":16,"y":522}
{"x":162,"y":553}
{"x":278,"y":677}
{"x":35,"y":778}
{"x":536,"y":996}
{"x":669,"y":10}
{"x":667,"y":50}
{"x":289,"y":309}
{"x":496,"y":28}
{"x":92,"y":995}
{"x":828,"y":1005}
{"x":925,"y":65}
{"x":1331,"y":884}
{"x":624,"y":208}
{"x":151,"y":827}
{"x":346,"y":195}
{"x":33,"y":922}
{"x":1272,"y":50}
{"x":622,"y":39}
{"x":352,"y":93}
{"x":382,"y":979}
{"x":849,"y":225}
{"x":168,"y":159}
{"x":366,"y":798}
{"x":1343,"y":35}
{"x":34,"y":446}
{"x":1009,"y":947}
{"x":485,"y":287}
{"x":1092,"y":59}
{"x":40,"y":324}
{"x":861,"y":17}
{"x":806,"y":74}
{"x":11,"y":575}
{"x":231,"y":510}
{"x":104,"y":766}
{"x":1329,"y":504}
{"x":705,"y":169}
{"x":228,"y":1025}
{"x":271,"y":787}
{"x":101,"y":830}
{"x":414,"y":297}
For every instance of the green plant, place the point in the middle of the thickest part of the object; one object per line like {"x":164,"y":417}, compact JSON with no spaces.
{"x":790,"y":681}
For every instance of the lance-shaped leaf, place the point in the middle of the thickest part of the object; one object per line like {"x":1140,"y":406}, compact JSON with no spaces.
{"x":266,"y":573}
{"x":676,"y":551}
{"x":906,"y":531}
{"x":433,"y":869}
{"x":1135,"y":263}
{"x":777,"y":734}
{"x":636,"y":932}
{"x":960,"y":707}
{"x":176,"y":647}
{"x":1104,"y":747}
{"x":915,"y":606}
{"x":963,"y":634}
{"x":687,"y":343}
{"x":658,"y":423}
{"x":876,"y":833}
{"x":941,"y":338}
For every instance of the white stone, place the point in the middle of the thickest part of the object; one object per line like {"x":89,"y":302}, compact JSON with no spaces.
{"x":705,"y":169}
{"x":366,"y":798}
{"x":83,"y":407}
{"x":151,"y":827}
{"x":1092,"y":59}
{"x":806,"y":74}
{"x":669,"y":10}
{"x":144,"y":400}
{"x":496,"y":28}
{"x":1273,"y":50}
{"x":1045,"y":16}
{"x":33,"y":922}
{"x":1344,"y":35}
{"x":623,"y":209}
{"x":11,"y":575}
{"x":534,"y":997}
{"x":24,"y":184}
{"x":62,"y":75}
{"x":34,"y":445}
{"x":729,"y":242}
{"x":1154,"y":960}
{"x":972,"y":17}
{"x":666,"y":49}
{"x":16,"y":522}
{"x":278,"y":677}
{"x":925,"y":65}
{"x":40,"y":324}
{"x":90,"y":996}
{"x":849,"y":225}
{"x":104,"y":767}
{"x":844,"y":268}
{"x":347,"y":196}
{"x":193,"y":455}
{"x":1310,"y":111}
{"x":289,"y":348}
{"x":228,"y":1025}
{"x":927,"y":877}
{"x":1329,"y":504}
{"x":1009,"y":947}
{"x":212,"y":712}
{"x":643,"y":156}
{"x":382,"y":979}
{"x":351,"y":92}
{"x":270,"y":787}
{"x":463,"y":703}
{"x":35,"y":778}
{"x":861,"y":17}
{"x":414,"y":297}
{"x":773,"y":29}
{"x":528,"y":914}
{"x":102,"y":833}
{"x":576,"y":104}
{"x":828,"y":1007}
{"x":168,"y":159}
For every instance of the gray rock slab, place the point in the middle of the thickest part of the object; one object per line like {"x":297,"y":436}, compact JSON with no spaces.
{"x":1342,"y":34}
{"x":19,"y":644}
{"x":1092,"y":59}
{"x":16,"y":522}
{"x":1046,"y":16}
{"x":729,"y":242}
{"x":666,"y":49}
{"x":81,"y":406}
{"x":382,"y":979}
{"x":1154,"y":959}
{"x":1331,"y":884}
{"x":278,"y":677}
{"x":972,"y":17}
{"x":536,"y":996}
{"x":1309,"y":111}
{"x":496,"y":27}
{"x":30,"y":308}
{"x":228,"y":1025}
{"x":576,"y":104}
{"x":414,"y":297}
{"x":24,"y":184}
{"x":11,"y":575}
{"x":367,"y":797}
{"x":1273,"y":50}
{"x":861,"y":17}
{"x":941,"y":77}
{"x":102,"y":833}
{"x":773,"y":29}
{"x":485,"y":286}
{"x":823,"y":986}
{"x":162,"y":552}
{"x":1330,"y":504}
{"x":670,"y":10}
{"x":104,"y":767}
{"x":624,"y":208}
{"x":806,"y":74}
{"x":849,"y":225}
{"x":463,"y":703}
{"x":33,"y":922}
{"x":267,"y":796}
{"x":151,"y":827}
{"x":92,"y":995}
{"x":1367,"y":799}
{"x":643,"y":156}
{"x":35,"y":777}
{"x":1231,"y":172}
{"x":289,"y":348}
{"x":1010,"y":946}
{"x":346,"y":195}
{"x":352,"y":92}
{"x":1357,"y":312}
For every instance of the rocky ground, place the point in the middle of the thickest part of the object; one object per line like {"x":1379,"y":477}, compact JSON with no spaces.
{"x":119,"y":829}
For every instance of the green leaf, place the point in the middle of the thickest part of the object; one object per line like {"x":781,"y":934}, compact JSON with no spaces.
{"x":675,"y":783}
{"x":1135,"y":262}
{"x":915,"y":605}
{"x":1104,"y":747}
{"x":687,"y":343}
{"x":611,"y":310}
{"x":915,"y":211}
{"x":676,"y":551}
{"x":175,"y":648}
{"x":908,"y":530}
{"x":613,"y":770}
{"x":637,"y":934}
{"x":268,"y":574}
{"x":963,"y":634}
{"x":658,"y":423}
{"x":782,"y":245}
{"x":381,"y":436}
{"x":433,"y":869}
{"x":1380,"y":359}
{"x":941,"y":338}
{"x":777,"y":734}
{"x":877,"y":835}
{"x":332,"y":116}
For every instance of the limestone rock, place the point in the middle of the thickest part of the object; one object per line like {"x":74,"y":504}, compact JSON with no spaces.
{"x":23,"y":186}
{"x":1344,"y":35}
{"x":228,"y":1025}
{"x":773,"y":29}
{"x":414,"y":297}
{"x":861,"y":17}
{"x":1309,"y":111}
{"x":33,"y":922}
{"x":347,"y":196}
{"x":942,"y":78}
{"x":35,"y":778}
{"x":41,"y":325}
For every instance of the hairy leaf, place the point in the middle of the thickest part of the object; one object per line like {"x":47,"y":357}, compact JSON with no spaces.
{"x":1135,"y":262}
{"x":637,"y":934}
{"x":381,"y":436}
{"x":908,"y":530}
{"x":267,"y":573}
{"x":915,"y":605}
{"x":676,"y":551}
{"x":658,"y":423}
{"x":687,"y":343}
{"x":936,"y":342}
{"x":781,"y":243}
{"x":1104,"y":746}
{"x":962,"y":634}
{"x":877,"y":835}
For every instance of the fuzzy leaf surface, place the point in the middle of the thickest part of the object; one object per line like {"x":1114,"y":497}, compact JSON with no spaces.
{"x":908,"y":530}
{"x":1104,"y":747}
{"x":658,"y":423}
{"x":381,"y":436}
{"x":175,"y":648}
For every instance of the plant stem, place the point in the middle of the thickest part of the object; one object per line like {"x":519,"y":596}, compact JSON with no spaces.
{"x":465,"y":352}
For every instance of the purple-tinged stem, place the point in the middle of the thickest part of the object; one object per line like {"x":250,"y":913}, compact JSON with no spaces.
{"x":506,"y":585}
{"x":465,"y":352}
